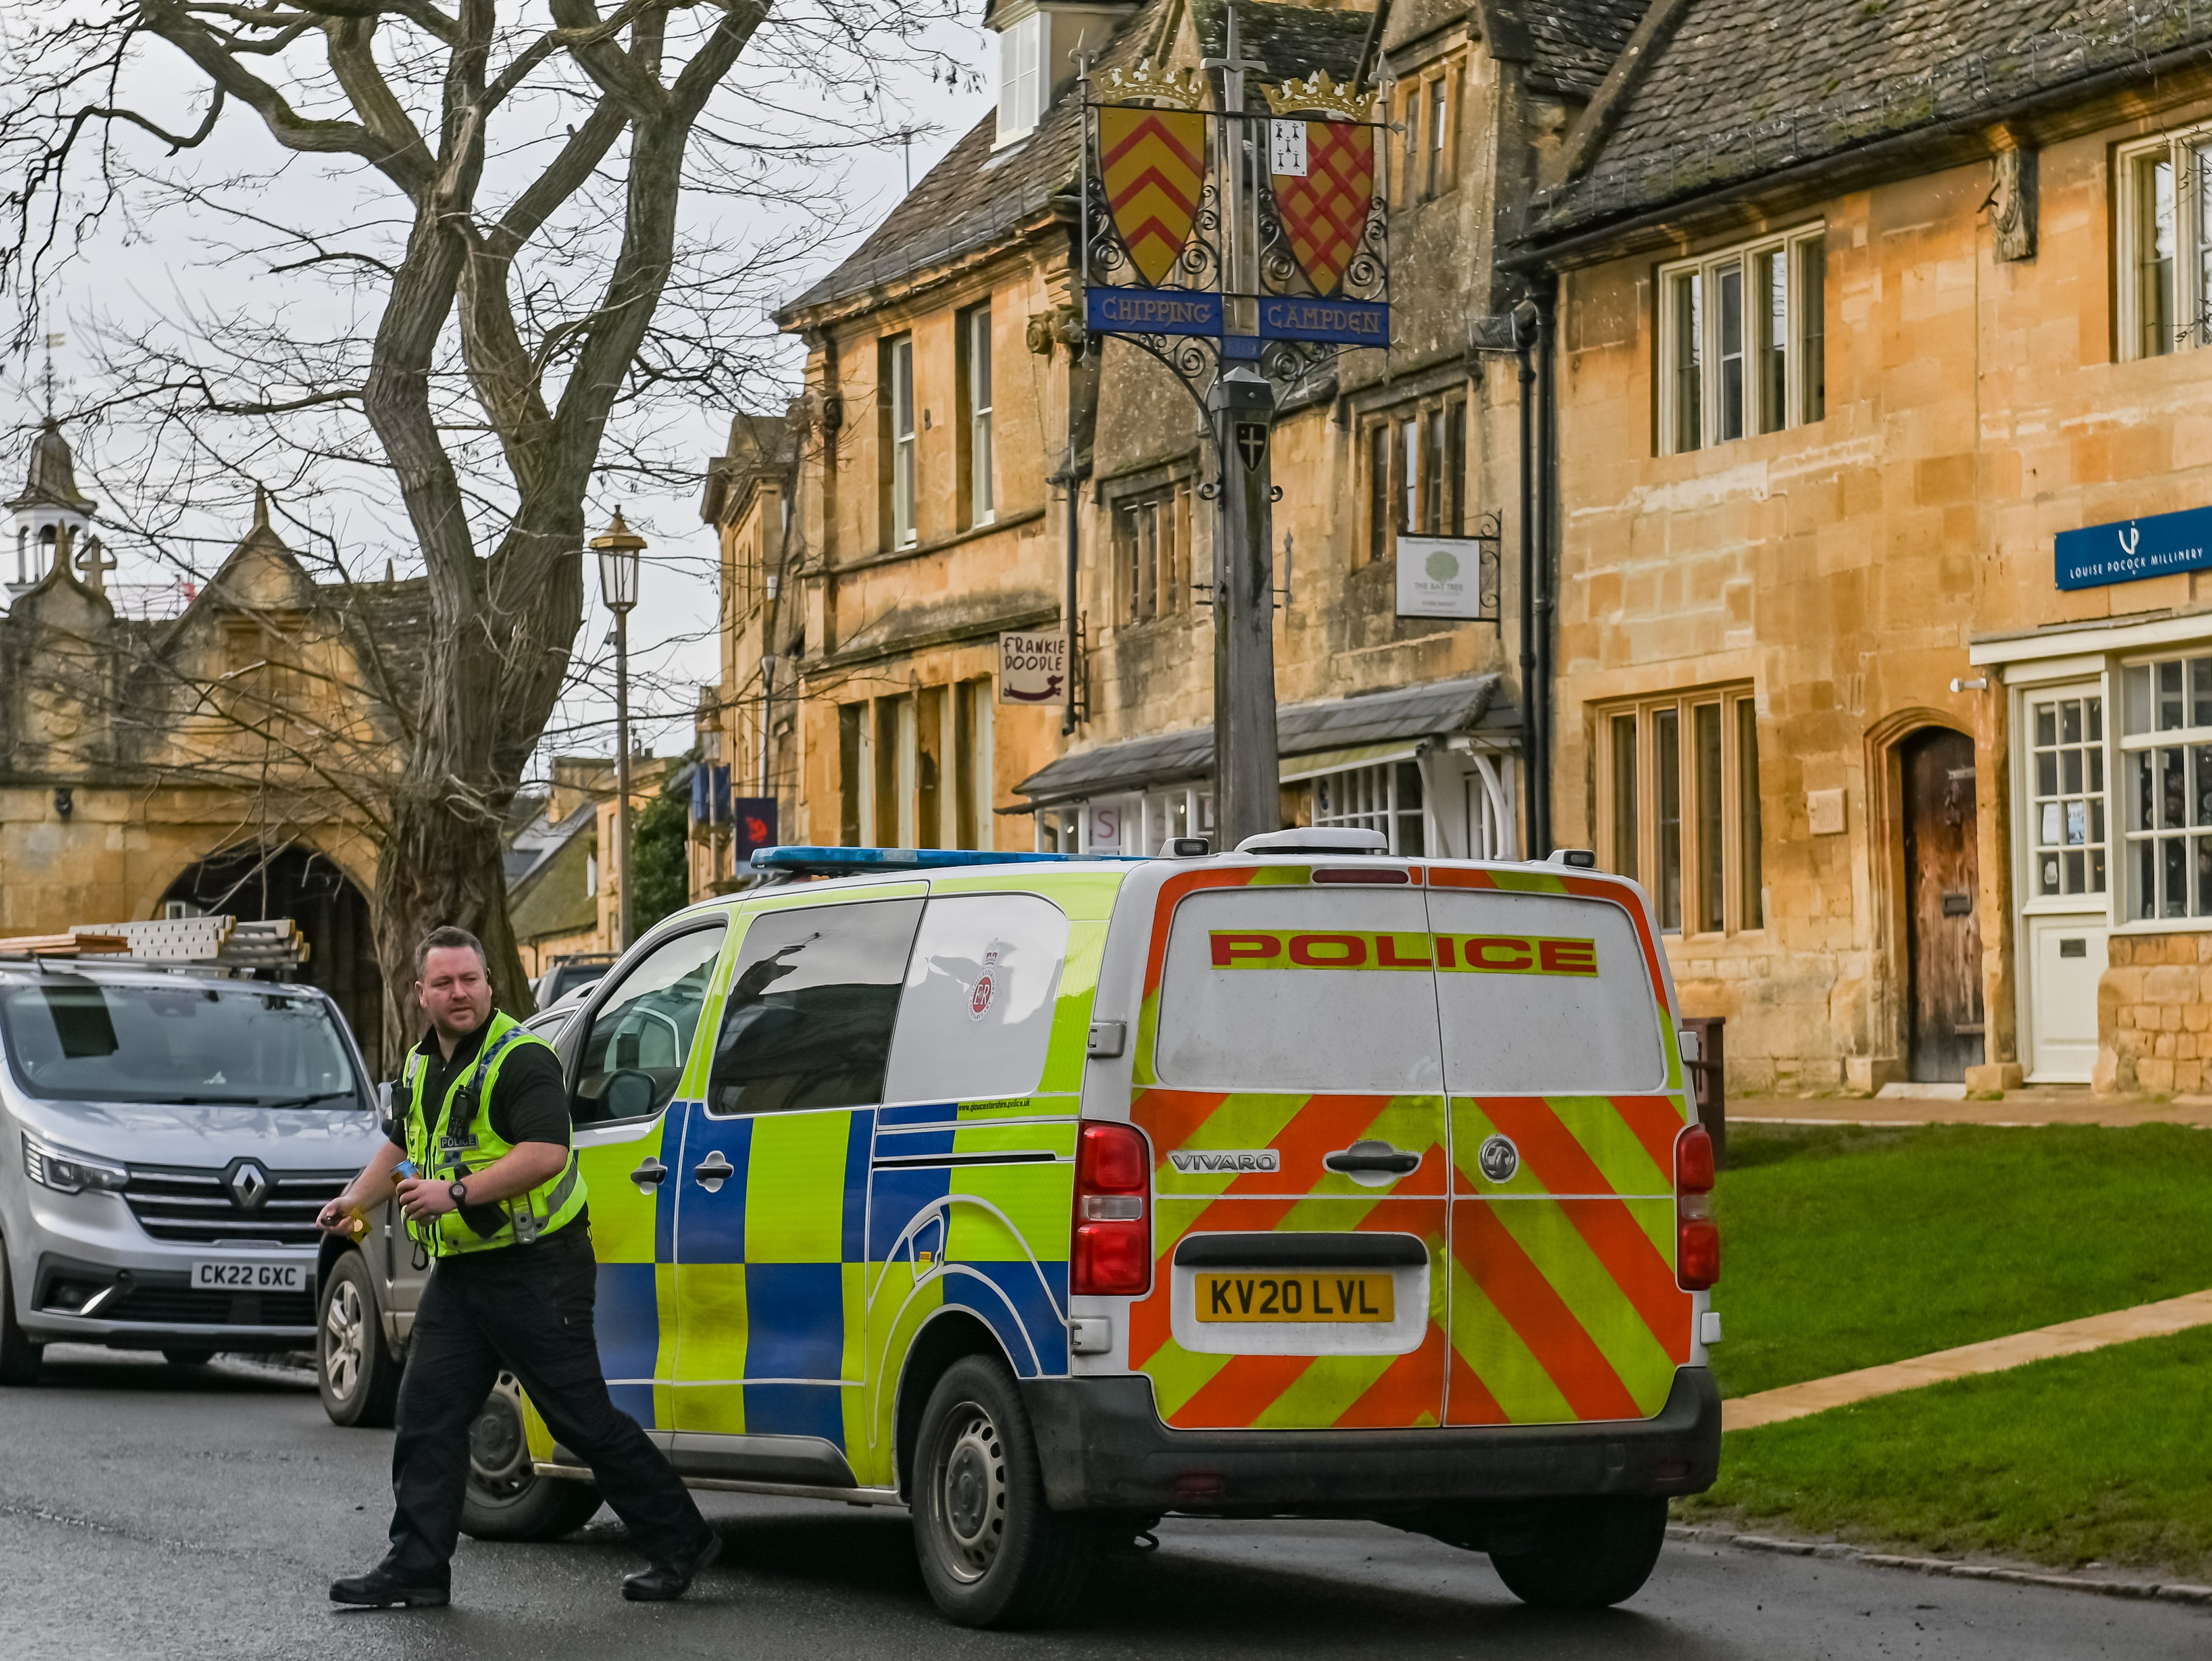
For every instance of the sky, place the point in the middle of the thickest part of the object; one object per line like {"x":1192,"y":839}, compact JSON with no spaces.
{"x":144,"y":272}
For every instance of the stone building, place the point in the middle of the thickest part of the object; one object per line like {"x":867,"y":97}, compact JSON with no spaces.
{"x":918,"y":506}
{"x":1880,"y":662}
{"x":204,"y":762}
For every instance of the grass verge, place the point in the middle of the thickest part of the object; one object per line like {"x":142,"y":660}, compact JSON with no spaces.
{"x":2093,"y":1458}
{"x":1846,"y":1246}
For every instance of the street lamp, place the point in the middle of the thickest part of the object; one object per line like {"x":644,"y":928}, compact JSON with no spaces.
{"x":618,"y":548}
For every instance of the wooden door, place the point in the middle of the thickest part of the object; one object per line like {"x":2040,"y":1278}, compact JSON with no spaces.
{"x":1944,"y":937}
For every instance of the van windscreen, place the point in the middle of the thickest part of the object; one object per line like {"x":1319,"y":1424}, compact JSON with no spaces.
{"x":1298,"y":988}
{"x":75,"y":1039}
{"x":1542,"y":994}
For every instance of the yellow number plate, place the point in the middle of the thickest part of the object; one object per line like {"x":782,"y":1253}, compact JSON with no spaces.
{"x":1302,"y":1296}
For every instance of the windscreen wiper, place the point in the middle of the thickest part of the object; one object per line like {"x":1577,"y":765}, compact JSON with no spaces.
{"x":308,"y":1100}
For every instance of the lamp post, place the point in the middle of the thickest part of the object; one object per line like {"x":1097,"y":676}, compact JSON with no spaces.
{"x":618,"y":548}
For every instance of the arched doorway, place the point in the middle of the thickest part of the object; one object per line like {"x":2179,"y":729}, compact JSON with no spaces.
{"x":1943,"y":936}
{"x":302,"y":885}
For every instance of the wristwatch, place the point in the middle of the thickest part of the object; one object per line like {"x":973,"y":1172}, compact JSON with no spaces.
{"x":459,"y":1192}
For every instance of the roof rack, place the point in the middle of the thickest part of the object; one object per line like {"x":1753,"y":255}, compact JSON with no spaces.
{"x":860,"y":861}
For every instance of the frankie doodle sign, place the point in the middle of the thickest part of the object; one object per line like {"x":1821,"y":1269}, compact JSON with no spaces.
{"x":2129,"y":550}
{"x":1032,"y":667}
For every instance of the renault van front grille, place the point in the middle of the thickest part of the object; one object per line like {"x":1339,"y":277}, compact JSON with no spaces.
{"x":262,"y":1207}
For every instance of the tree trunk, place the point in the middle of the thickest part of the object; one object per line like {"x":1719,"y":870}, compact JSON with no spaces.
{"x":440,"y":868}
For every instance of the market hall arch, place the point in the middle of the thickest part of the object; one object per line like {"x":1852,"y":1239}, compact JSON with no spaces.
{"x":252,"y":884}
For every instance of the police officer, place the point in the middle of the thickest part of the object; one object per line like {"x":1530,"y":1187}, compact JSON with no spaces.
{"x":497,"y":1202}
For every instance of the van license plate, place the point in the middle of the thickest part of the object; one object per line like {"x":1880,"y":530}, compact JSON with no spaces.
{"x":251,"y":1277}
{"x":1306,"y":1297}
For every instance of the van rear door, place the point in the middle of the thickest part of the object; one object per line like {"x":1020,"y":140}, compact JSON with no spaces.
{"x":1289,"y":1075}
{"x":1565,"y":1104}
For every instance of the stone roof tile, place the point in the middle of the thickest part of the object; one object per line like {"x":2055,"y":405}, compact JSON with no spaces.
{"x":1745,"y":88}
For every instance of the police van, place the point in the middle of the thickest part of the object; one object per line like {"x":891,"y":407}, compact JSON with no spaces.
{"x":1046,"y":1196}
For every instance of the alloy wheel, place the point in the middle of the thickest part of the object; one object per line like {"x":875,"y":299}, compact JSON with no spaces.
{"x":344,"y":1333}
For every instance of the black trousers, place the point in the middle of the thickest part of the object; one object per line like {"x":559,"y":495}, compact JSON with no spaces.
{"x":527,"y":1309}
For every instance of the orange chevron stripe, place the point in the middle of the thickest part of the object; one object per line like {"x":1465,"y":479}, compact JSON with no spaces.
{"x":1471,"y":1402}
{"x":1657,"y":1121}
{"x":1636,"y":1266}
{"x":1170,"y":1116}
{"x":1153,"y":129}
{"x":1408,"y":1390}
{"x":1546,"y":1146}
{"x":1242,"y":1391}
{"x":1183,"y":192}
{"x":1318,"y":1128}
{"x":1539,"y":1315}
{"x":1151,"y":1321}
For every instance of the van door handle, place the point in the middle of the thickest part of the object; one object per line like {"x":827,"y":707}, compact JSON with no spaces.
{"x":1369,"y":1155}
{"x":650,"y":1175}
{"x":711,"y":1172}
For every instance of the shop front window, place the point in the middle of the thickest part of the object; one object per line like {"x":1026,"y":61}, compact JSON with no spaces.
{"x":1386,"y":798}
{"x":2167,"y":776}
{"x":2067,"y":779}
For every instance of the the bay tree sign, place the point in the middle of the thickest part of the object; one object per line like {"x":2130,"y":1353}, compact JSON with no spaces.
{"x":2129,"y":550}
{"x":1032,"y":668}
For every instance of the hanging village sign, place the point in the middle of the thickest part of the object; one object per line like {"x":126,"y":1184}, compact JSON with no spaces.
{"x":1243,"y":249}
{"x":1297,"y":251}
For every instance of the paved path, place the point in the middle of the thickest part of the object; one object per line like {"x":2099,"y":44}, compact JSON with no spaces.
{"x":2019,"y":1107}
{"x":2158,"y":1320}
{"x":149,"y":1512}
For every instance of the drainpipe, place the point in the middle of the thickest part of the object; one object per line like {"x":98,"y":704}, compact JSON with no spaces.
{"x":1547,"y":495}
{"x":1074,"y":488}
{"x":1538,"y":772}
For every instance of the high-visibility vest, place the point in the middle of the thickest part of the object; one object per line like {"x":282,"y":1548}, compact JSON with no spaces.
{"x":451,"y":1140}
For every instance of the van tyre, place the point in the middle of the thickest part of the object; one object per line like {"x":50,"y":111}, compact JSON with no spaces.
{"x":1592,"y":1553}
{"x":356,"y":1372}
{"x":19,"y":1356}
{"x":506,"y":1498}
{"x":992,"y":1552}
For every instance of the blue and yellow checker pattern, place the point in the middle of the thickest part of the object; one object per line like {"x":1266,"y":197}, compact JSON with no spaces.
{"x":784,"y":1302}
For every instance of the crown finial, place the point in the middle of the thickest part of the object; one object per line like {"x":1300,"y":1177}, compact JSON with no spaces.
{"x":1181,"y":90}
{"x":1318,"y":94}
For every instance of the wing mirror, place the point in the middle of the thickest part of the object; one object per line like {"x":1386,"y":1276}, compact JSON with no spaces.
{"x":384,"y":1106}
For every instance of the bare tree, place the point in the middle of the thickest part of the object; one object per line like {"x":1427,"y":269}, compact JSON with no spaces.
{"x":477,"y":273}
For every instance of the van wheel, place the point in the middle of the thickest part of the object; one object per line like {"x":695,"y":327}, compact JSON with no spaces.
{"x":356,"y":1373}
{"x":1594,"y":1553}
{"x":992,"y":1552}
{"x":19,"y":1356}
{"x":506,"y":1500}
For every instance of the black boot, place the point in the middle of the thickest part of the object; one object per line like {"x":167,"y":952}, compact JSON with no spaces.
{"x":379,"y":1589}
{"x":663,"y":1581}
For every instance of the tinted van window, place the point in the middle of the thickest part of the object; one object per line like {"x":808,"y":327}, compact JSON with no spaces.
{"x":72,"y":1038}
{"x":976,"y":1019}
{"x":1543,"y":993}
{"x":1299,"y":989}
{"x":633,"y":1057}
{"x":811,"y":1005}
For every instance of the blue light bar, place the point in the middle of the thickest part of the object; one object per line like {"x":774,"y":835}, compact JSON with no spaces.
{"x":859,"y":861}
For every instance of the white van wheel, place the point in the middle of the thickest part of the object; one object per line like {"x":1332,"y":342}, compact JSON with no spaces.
{"x":992,"y":1552}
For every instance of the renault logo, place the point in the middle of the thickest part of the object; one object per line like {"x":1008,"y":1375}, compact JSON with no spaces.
{"x":248,"y":1184}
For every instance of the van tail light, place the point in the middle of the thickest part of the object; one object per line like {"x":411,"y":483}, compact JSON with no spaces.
{"x":1111,"y":1254}
{"x":1697,"y":1236}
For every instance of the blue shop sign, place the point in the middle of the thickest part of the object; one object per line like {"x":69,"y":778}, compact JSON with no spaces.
{"x":2128,"y":550}
{"x":1153,"y":311}
{"x":1349,"y":322}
